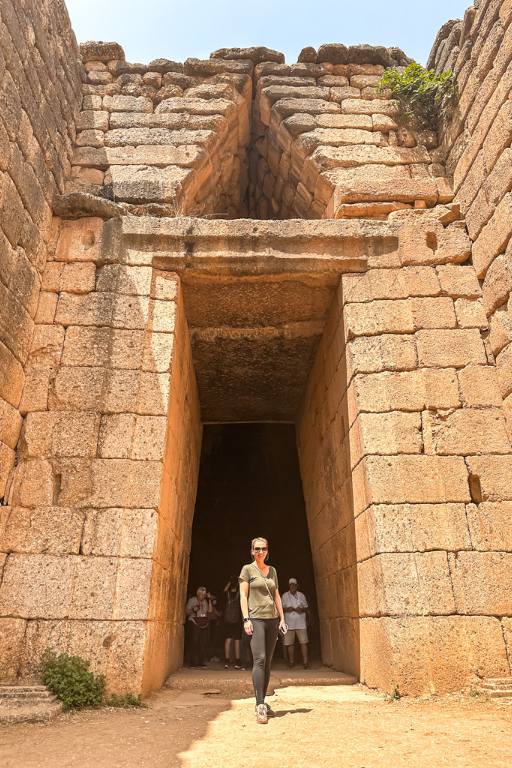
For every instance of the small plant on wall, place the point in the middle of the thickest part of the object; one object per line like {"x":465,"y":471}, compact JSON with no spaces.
{"x":71,"y":680}
{"x":424,"y":97}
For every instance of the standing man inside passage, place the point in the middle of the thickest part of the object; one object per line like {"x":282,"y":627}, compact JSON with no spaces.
{"x":295,"y":607}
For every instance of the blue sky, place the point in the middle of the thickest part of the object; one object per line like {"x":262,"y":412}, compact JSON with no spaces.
{"x":148,"y":29}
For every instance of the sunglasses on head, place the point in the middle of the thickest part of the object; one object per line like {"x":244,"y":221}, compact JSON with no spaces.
{"x":260,"y":549}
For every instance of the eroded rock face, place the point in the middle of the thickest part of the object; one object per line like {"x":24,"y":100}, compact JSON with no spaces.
{"x":322,"y":276}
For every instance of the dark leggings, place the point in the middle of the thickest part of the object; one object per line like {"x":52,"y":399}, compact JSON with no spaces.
{"x":263,"y":642}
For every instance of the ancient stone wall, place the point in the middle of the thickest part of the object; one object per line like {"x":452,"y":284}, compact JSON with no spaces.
{"x":169,"y":134}
{"x":39,"y":95}
{"x":243,"y":134}
{"x":405,"y":454}
{"x":477,"y":146}
{"x":92,"y":535}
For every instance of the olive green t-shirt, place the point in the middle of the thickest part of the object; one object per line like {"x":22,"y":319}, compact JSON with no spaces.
{"x":262,"y":590}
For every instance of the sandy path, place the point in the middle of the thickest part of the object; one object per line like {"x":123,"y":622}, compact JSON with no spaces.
{"x":332,"y":726}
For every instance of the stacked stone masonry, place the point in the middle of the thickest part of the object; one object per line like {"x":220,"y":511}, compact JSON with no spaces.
{"x":40,"y":94}
{"x":129,"y":316}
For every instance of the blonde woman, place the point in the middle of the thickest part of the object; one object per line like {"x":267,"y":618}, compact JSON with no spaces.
{"x":263,"y":618}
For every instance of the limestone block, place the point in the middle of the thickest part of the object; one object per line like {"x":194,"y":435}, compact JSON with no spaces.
{"x":339,"y":137}
{"x":482,"y":582}
{"x":95,"y":389}
{"x":90,"y":138}
{"x":351,"y":156}
{"x":116,"y":436}
{"x":459,"y":281}
{"x":51,"y":276}
{"x":142,"y":183}
{"x":153,"y":394}
{"x":120,"y":532}
{"x":382,"y":188}
{"x":431,"y":243}
{"x":334,"y":120}
{"x":364,"y":81}
{"x":149,"y":438}
{"x":119,"y":278}
{"x":36,"y":387}
{"x":450,"y":348}
{"x":195,"y":106}
{"x":11,"y":376}
{"x":399,"y":652}
{"x":60,"y":434}
{"x":123,"y":349}
{"x":133,"y":588}
{"x":410,"y":480}
{"x":408,"y":390}
{"x":287,"y":107}
{"x":12,"y":633}
{"x":93,"y":588}
{"x":80,"y":240}
{"x":385,"y":434}
{"x":164,"y":286}
{"x":497,"y":284}
{"x":388,"y":352}
{"x":390,"y":284}
{"x":383,"y":123}
{"x":78,"y":278}
{"x":91,"y":102}
{"x":494,"y":237}
{"x":405,"y":584}
{"x":479,"y":386}
{"x":115,"y":310}
{"x":127,"y":104}
{"x":45,"y":530}
{"x":469,"y":431}
{"x":433,"y":312}
{"x":493,"y":474}
{"x":370,"y":319}
{"x":112,"y":483}
{"x":33,"y":484}
{"x":489,"y":524}
{"x":169,"y":120}
{"x":504,"y":370}
{"x":158,"y":352}
{"x":370,"y":107}
{"x":10,"y":424}
{"x":411,"y":528}
{"x":46,"y":308}
{"x":7,"y":457}
{"x":500,"y":330}
{"x":340,"y":94}
{"x":92,"y":120}
{"x":470,"y":314}
{"x":37,"y":586}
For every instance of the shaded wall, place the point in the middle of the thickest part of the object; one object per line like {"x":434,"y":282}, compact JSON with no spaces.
{"x":40,"y":93}
{"x":324,"y":453}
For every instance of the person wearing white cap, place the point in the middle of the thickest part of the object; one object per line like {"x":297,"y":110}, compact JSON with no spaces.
{"x":295,"y":608}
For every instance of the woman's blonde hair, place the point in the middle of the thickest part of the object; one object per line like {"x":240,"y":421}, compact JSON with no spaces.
{"x":259,"y":538}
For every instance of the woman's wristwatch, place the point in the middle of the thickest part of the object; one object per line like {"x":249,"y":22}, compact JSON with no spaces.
{"x":246,"y":618}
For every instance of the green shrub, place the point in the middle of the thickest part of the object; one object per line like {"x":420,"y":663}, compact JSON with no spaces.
{"x":424,"y":97}
{"x":124,"y":700}
{"x":71,"y":680}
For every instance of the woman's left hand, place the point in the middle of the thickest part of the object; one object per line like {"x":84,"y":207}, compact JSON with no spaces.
{"x":282,"y":626}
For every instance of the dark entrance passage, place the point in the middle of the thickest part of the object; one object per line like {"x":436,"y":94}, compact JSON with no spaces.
{"x":250,"y":485}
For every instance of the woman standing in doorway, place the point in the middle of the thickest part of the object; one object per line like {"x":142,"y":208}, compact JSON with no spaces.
{"x":263,"y":618}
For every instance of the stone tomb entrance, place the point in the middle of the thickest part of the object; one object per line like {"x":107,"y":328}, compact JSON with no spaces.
{"x":256,"y":299}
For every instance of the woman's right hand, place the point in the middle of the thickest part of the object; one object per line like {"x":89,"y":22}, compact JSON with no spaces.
{"x":248,"y":628}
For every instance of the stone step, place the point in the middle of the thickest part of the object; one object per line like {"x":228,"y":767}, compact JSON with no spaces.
{"x":497,"y":682}
{"x":32,"y":712}
{"x":500,"y":693}
{"x":216,"y":680}
{"x":23,"y":688}
{"x":13,"y":694}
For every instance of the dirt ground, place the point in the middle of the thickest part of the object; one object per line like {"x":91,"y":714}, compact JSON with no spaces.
{"x":340,"y":726}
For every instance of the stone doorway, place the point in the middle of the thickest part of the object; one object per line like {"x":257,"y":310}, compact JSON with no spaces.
{"x":249,"y":484}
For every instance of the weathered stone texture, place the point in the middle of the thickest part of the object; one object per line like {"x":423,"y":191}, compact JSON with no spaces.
{"x":40,"y":93}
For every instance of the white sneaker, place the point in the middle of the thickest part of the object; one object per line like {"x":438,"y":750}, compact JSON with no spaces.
{"x":261,"y":714}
